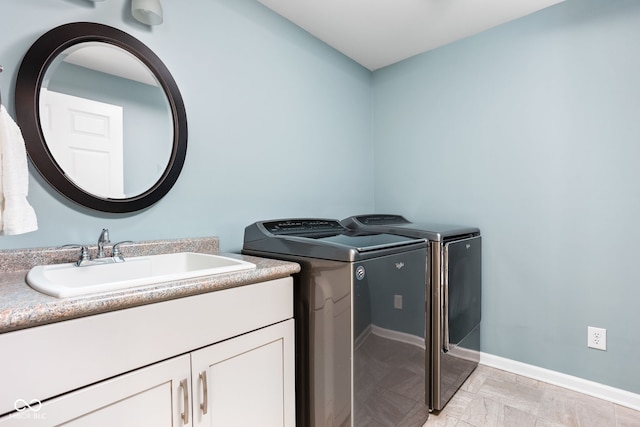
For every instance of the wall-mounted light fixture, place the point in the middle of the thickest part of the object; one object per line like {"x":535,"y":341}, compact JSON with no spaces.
{"x":147,"y":11}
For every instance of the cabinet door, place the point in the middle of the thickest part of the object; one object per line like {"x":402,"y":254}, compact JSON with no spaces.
{"x":247,"y":380}
{"x":151,"y":396}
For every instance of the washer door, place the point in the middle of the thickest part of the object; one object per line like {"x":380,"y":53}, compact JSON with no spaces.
{"x":462,"y":290}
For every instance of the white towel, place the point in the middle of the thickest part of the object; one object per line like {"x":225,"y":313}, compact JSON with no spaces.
{"x":16,"y":214}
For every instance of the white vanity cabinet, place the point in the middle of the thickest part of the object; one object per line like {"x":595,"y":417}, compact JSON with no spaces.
{"x":224,"y":358}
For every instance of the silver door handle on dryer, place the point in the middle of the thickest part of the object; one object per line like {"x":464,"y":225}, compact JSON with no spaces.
{"x":445,"y":302}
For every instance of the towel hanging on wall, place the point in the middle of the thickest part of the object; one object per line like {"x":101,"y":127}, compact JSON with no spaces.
{"x":16,"y":214}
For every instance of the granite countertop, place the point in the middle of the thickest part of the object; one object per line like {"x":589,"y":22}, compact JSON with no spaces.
{"x":23,"y":307}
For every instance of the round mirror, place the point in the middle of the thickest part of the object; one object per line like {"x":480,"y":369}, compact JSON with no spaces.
{"x":102,"y":118}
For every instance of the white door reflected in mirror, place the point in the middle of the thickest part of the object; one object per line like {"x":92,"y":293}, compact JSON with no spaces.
{"x":102,"y":77}
{"x":85,"y":137}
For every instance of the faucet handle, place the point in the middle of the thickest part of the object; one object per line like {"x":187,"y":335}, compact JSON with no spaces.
{"x":115,"y":251}
{"x":84,"y":250}
{"x":84,"y":256}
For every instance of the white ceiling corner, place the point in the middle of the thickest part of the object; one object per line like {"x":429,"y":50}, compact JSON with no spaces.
{"x":377,"y":33}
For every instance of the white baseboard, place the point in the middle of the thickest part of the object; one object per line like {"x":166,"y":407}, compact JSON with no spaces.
{"x":591,"y":388}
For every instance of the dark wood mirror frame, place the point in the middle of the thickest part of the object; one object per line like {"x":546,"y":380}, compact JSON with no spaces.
{"x":29,"y":80}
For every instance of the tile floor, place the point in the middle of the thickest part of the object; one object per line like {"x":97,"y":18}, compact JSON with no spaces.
{"x":491,"y":397}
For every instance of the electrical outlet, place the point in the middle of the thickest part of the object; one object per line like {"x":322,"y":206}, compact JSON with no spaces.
{"x":397,"y":302}
{"x":596,"y":338}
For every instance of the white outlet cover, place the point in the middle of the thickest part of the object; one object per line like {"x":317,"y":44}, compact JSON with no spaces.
{"x":597,"y":338}
{"x":397,"y":302}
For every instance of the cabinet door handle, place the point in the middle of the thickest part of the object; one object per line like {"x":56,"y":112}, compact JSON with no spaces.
{"x":205,"y":395}
{"x":185,"y":396}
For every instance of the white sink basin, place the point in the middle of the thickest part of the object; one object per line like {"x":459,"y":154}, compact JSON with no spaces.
{"x":66,"y":280}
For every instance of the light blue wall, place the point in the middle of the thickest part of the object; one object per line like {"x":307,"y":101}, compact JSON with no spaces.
{"x":531,"y":131}
{"x":280,"y":124}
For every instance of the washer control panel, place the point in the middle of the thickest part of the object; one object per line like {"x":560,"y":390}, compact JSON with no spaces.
{"x":381,"y":219}
{"x":303,"y":226}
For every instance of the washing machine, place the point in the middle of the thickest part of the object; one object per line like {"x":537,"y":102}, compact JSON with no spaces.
{"x":454,"y":281}
{"x":360,"y":315}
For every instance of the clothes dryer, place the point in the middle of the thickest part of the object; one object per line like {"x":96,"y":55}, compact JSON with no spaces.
{"x":355,"y":290}
{"x":454,"y":283}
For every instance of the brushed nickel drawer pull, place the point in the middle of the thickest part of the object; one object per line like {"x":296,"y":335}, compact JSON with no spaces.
{"x":185,"y":395}
{"x":205,"y":395}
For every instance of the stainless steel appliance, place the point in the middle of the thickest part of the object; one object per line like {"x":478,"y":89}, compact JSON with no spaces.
{"x":454,"y":281}
{"x":360,"y":321}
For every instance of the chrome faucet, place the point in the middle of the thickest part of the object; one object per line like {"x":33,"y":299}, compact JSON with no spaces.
{"x":102,"y":240}
{"x":101,"y":256}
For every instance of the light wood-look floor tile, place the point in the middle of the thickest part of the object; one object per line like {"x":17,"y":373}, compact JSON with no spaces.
{"x":491,"y":397}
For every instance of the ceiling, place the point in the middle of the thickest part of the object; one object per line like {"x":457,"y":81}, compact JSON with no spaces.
{"x":377,"y":33}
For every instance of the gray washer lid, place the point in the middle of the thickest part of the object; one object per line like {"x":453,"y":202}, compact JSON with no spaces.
{"x":397,"y":224}
{"x":341,"y":245}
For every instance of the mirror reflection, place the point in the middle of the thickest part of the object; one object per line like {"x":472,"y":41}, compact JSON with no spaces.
{"x":106,"y":120}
